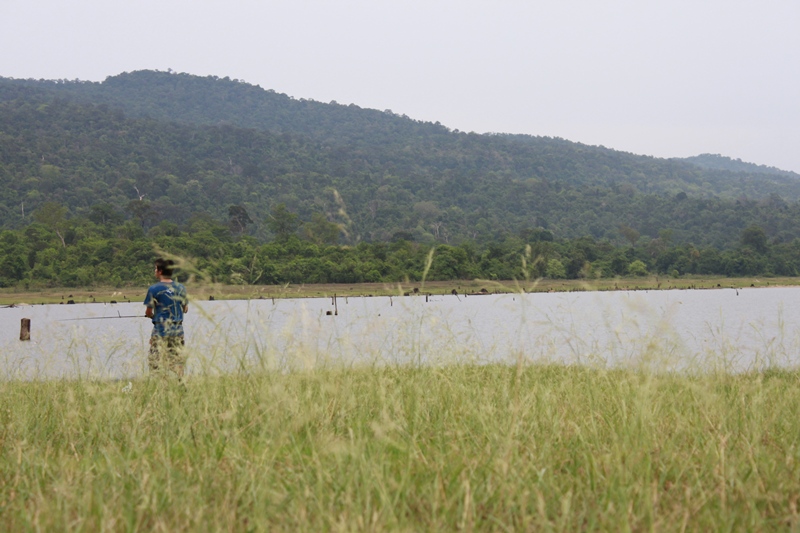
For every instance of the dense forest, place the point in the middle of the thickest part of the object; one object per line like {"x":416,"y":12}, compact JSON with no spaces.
{"x":57,"y":252}
{"x":260,"y":187}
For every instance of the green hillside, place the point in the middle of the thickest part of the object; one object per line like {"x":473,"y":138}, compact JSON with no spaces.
{"x":719,"y":162}
{"x":158,"y":147}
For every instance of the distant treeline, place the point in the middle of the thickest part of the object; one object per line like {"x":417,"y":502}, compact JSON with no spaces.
{"x":56,"y":251}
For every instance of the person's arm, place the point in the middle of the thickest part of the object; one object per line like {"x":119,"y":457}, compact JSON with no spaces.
{"x":184,"y":300}
{"x":148,"y":305}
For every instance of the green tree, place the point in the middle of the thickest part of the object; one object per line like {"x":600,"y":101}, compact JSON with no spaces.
{"x":54,"y":216}
{"x":320,"y":230}
{"x":238,"y":218}
{"x":449,"y":263}
{"x":282,"y":222}
{"x":105,"y":214}
{"x":141,"y":210}
{"x":630,"y":234}
{"x":755,"y":237}
{"x":555,"y":269}
{"x":637,"y":268}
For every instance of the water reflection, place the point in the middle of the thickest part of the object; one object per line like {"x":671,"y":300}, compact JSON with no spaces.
{"x":719,"y":329}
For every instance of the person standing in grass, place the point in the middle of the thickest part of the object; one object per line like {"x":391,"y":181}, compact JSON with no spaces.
{"x":166,"y":303}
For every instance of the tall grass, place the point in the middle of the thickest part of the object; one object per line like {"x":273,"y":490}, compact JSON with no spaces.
{"x":404,"y":448}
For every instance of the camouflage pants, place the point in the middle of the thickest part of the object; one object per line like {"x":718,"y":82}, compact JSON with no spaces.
{"x":166,"y":354}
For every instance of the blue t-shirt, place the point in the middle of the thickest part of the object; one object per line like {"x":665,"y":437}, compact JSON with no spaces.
{"x":167,"y":300}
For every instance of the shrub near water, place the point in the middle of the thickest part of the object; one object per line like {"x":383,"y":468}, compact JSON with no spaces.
{"x":401,"y":448}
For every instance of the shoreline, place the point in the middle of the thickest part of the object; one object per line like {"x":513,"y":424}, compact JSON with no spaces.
{"x":15,"y":297}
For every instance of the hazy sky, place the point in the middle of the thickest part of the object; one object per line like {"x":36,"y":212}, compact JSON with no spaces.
{"x":669,"y":78}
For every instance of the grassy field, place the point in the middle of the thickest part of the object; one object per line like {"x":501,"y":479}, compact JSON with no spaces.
{"x":399,"y":448}
{"x":227,"y":292}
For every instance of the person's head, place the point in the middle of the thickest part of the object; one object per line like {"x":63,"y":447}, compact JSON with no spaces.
{"x":164,"y":267}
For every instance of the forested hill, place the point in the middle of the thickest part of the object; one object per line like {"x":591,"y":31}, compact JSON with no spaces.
{"x":164,"y":147}
{"x":221,"y":101}
{"x":719,"y":162}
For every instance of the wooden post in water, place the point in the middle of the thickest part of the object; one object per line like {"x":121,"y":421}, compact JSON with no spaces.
{"x":25,"y":330}
{"x":335,"y":306}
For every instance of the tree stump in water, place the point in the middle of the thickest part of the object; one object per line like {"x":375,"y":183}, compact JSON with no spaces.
{"x":25,"y":330}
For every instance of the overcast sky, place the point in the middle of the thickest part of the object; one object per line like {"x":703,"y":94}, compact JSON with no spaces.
{"x":669,"y":78}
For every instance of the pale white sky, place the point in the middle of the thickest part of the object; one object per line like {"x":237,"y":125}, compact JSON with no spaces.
{"x":669,"y":78}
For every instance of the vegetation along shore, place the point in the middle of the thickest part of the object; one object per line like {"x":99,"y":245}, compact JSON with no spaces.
{"x":203,"y":291}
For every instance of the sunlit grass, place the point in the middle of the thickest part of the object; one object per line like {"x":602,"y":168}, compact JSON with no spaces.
{"x":399,"y":447}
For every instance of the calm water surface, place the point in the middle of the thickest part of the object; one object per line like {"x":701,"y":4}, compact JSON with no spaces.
{"x":737,"y":331}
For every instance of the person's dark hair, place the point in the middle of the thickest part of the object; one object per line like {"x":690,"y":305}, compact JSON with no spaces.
{"x":165,"y":266}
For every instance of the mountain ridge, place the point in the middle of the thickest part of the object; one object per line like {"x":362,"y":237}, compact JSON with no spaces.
{"x":261,"y":103}
{"x":721,"y":162}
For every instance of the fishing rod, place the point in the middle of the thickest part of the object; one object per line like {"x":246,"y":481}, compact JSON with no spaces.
{"x":102,"y":317}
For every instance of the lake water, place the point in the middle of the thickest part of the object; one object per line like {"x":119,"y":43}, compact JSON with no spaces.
{"x":719,"y":329}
